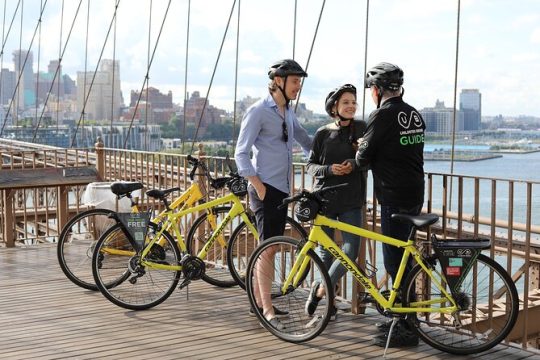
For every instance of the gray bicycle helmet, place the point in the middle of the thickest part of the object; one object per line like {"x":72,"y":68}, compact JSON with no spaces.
{"x":286,"y":67}
{"x":334,"y":96}
{"x":385,"y":76}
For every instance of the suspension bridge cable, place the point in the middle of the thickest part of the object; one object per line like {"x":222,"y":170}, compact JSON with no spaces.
{"x":83,"y":114}
{"x":20,"y":69}
{"x":17,"y":86}
{"x":455,"y":101}
{"x":113,"y":82}
{"x":38,"y":62}
{"x":365,"y":62}
{"x":147,"y":72}
{"x":212,"y":78}
{"x":81,"y":118}
{"x":236,"y":76}
{"x":148,"y":80}
{"x":310,"y":52}
{"x":2,"y":55}
{"x":57,"y":69}
{"x":185,"y":77}
{"x":10,"y":26}
{"x":59,"y":55}
{"x":294,"y":30}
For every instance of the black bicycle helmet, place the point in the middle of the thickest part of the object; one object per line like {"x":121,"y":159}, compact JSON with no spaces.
{"x":286,"y":67}
{"x":334,"y":96}
{"x":385,"y":76}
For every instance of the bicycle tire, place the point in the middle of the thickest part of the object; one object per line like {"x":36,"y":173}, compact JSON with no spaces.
{"x":76,"y":244}
{"x":121,"y":278}
{"x":486,"y":321}
{"x":242,"y":243}
{"x":216,"y":269}
{"x":298,"y":325}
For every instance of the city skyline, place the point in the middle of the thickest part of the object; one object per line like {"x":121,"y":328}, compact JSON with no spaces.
{"x":469,"y":108}
{"x":498,"y":49}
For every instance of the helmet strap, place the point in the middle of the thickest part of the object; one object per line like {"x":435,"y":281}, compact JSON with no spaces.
{"x":379,"y":96}
{"x":282,"y":89}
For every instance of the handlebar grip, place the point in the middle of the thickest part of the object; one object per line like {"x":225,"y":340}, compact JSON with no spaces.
{"x":285,"y":202}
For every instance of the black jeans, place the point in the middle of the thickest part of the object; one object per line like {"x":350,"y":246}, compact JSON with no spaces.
{"x":270,"y":220}
{"x":391,"y":254}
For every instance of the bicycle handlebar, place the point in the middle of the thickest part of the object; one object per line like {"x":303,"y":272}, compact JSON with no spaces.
{"x":198,"y":163}
{"x":317,"y":195}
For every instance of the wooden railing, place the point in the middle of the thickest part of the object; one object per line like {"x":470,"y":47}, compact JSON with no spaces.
{"x":506,"y":211}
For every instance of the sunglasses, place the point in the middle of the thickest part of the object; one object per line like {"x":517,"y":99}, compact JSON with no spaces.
{"x":285,"y":131}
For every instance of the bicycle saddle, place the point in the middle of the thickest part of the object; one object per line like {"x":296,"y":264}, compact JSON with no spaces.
{"x":123,"y":188}
{"x":161,"y":194}
{"x":418,"y":221}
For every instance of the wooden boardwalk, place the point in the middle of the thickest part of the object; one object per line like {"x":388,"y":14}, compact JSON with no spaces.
{"x":44,"y":316}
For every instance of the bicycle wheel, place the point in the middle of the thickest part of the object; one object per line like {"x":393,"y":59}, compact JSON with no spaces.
{"x":268,"y":267}
{"x":489,"y":300}
{"x":217,"y":271}
{"x":76,"y":244}
{"x":122,"y":279}
{"x":242,"y":243}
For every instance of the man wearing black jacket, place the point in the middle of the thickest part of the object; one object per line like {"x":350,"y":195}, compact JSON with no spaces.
{"x":392,"y":148}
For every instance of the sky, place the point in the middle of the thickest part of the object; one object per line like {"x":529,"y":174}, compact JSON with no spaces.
{"x":499,"y":46}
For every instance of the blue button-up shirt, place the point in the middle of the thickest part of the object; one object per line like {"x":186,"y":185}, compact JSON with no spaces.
{"x":261,"y":132}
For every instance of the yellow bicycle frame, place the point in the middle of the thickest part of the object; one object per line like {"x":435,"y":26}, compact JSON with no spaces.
{"x":318,"y":236}
{"x":171,"y":220}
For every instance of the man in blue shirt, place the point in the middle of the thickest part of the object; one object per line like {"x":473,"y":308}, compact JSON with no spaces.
{"x":268,"y":129}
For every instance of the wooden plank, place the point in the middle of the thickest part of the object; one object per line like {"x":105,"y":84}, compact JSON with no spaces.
{"x":30,"y":178}
{"x":43,"y":315}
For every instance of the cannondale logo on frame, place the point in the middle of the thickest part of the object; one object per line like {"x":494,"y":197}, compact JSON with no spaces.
{"x":405,"y":122}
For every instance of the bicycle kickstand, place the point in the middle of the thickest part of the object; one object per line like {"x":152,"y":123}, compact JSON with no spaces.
{"x":394,"y":322}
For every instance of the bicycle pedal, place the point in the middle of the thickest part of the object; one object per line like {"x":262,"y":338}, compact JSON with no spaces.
{"x":184,"y":284}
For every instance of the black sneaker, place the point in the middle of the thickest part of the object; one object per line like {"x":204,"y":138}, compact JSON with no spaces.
{"x":333,"y":313}
{"x":313,"y":300}
{"x":400,"y":338}
{"x":277,"y":312}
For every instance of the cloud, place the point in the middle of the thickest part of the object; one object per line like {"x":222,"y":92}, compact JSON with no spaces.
{"x":535,"y":36}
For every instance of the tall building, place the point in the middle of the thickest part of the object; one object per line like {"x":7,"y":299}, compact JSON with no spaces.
{"x":7,"y":86}
{"x":155,"y":97}
{"x":440,"y":119}
{"x":23,"y":61}
{"x":50,"y":84}
{"x":194,"y":108}
{"x":470,"y":103}
{"x":99,"y":94}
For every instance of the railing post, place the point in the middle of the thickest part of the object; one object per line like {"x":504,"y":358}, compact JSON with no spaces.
{"x":100,"y":157}
{"x":9,"y":225}
{"x":63,"y":208}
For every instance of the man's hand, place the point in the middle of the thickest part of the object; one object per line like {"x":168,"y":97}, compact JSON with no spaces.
{"x":258,"y":185}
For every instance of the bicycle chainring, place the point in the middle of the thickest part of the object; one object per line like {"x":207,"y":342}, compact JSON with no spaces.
{"x":193,"y":267}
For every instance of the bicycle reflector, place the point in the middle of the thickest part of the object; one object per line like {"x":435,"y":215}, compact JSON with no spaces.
{"x":306,"y":210}
{"x":238,"y":186}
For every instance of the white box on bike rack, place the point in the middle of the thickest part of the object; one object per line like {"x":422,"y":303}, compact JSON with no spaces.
{"x":99,"y":195}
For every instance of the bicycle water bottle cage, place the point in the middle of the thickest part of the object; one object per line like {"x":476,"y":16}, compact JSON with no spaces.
{"x":457,"y":257}
{"x":307,"y":209}
{"x":238,"y":186}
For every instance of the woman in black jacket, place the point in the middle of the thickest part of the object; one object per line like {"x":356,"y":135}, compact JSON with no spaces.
{"x":331,"y":162}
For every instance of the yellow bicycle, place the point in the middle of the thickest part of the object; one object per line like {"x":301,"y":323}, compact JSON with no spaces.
{"x":456,"y":299}
{"x":138,"y":274}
